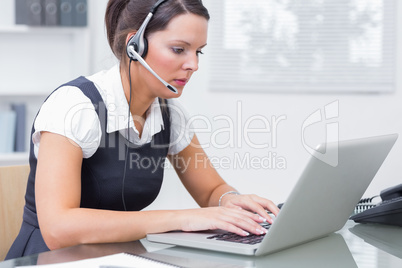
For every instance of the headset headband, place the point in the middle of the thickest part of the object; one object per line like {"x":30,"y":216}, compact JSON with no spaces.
{"x":138,"y":41}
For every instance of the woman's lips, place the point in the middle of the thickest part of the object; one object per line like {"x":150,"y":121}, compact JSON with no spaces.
{"x":181,"y":82}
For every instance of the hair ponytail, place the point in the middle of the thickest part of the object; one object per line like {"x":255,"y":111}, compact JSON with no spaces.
{"x":113,"y":13}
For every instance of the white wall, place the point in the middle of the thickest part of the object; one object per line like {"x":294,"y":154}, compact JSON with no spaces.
{"x":359,"y":116}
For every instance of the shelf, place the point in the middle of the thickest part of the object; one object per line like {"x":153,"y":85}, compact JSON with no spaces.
{"x":42,"y":58}
{"x":12,"y":159}
{"x":28,"y":91}
{"x":17,"y":92}
{"x":24,"y":29}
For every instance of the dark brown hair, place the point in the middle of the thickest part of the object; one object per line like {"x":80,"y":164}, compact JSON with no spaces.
{"x":125,"y":16}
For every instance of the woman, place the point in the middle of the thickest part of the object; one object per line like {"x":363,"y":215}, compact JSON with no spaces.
{"x":87,"y":183}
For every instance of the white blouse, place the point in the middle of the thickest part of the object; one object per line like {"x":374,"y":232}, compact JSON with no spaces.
{"x":68,"y":112}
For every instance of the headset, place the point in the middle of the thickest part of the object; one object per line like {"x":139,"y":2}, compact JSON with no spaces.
{"x":136,"y":49}
{"x":137,"y":46}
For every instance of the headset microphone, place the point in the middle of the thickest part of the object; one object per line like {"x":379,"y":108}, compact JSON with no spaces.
{"x":131,"y":50}
{"x":136,"y":50}
{"x":137,"y":46}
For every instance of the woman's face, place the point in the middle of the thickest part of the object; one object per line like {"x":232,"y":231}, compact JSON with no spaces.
{"x":174,"y":54}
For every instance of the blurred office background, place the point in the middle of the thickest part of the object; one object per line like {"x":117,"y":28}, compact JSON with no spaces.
{"x":268,"y":68}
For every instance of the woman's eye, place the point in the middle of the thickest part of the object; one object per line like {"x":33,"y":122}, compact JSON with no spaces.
{"x":200,"y":52}
{"x":178,"y":50}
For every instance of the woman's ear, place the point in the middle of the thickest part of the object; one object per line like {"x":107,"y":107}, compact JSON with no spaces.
{"x":129,"y":36}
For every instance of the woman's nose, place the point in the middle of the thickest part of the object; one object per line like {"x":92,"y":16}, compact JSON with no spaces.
{"x":191,"y":63}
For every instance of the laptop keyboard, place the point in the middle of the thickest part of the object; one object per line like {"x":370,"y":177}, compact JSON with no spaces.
{"x":251,"y":239}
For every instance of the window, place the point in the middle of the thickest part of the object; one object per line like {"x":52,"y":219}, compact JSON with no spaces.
{"x":302,"y":45}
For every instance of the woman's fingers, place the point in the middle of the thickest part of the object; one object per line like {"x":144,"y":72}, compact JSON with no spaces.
{"x":233,"y":219}
{"x":238,"y":221}
{"x":255,"y":204}
{"x":261,"y":205}
{"x":249,"y":221}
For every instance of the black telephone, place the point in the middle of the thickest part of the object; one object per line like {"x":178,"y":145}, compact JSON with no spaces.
{"x":388,"y":211}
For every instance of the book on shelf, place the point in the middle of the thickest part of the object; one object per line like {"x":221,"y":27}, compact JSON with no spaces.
{"x":12,"y":129}
{"x":8,"y":120}
{"x":70,"y":13}
{"x":35,"y":12}
{"x":21,"y":12}
{"x":66,"y":13}
{"x":20,"y":113}
{"x":51,"y":11}
{"x":81,"y":12}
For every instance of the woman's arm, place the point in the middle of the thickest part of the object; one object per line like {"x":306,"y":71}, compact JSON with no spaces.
{"x":198,"y":175}
{"x":63,"y":223}
{"x":58,"y":194}
{"x":206,"y":186}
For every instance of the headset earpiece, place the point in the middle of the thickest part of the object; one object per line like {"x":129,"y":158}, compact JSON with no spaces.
{"x":139,"y":43}
{"x":136,"y":49}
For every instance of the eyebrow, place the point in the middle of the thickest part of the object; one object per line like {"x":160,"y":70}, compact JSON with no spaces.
{"x":187,"y":43}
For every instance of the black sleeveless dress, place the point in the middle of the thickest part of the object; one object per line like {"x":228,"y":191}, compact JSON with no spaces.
{"x":102,"y":175}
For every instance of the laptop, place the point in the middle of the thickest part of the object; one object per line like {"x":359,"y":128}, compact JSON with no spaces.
{"x":329,"y":252}
{"x":320,"y":203}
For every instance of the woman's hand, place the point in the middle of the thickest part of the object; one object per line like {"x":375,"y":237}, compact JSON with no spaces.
{"x":231,"y":219}
{"x":251,"y":203}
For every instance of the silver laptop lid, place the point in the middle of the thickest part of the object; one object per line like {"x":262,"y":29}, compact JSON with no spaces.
{"x":320,"y":203}
{"x":325,"y":195}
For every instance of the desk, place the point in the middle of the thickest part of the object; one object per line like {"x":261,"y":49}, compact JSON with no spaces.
{"x":355,"y":245}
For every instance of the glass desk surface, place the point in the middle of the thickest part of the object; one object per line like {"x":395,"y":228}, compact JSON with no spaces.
{"x":355,"y":245}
